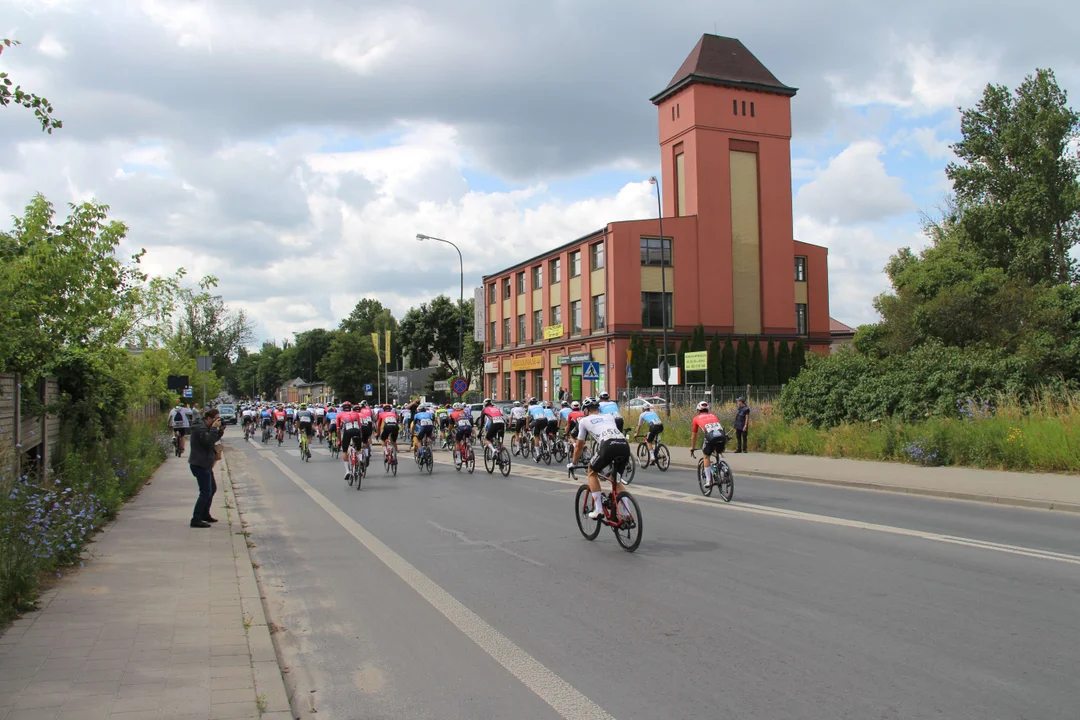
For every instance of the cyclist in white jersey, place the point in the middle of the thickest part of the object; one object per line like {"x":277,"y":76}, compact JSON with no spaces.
{"x":611,"y":449}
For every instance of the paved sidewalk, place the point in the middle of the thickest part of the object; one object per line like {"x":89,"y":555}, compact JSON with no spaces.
{"x":1038,"y":490}
{"x":164,"y":621}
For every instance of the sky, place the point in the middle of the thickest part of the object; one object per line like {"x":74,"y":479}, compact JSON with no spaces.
{"x":295,"y":149}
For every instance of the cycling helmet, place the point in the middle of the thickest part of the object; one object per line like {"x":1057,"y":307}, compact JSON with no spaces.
{"x":703,"y":407}
{"x":517,"y":403}
{"x":457,"y":406}
{"x":590,"y":404}
{"x":575,"y":405}
{"x":646,"y":406}
{"x":487,"y":402}
{"x":564,"y":404}
{"x":303,"y":406}
{"x":604,"y":396}
{"x":363,"y":403}
{"x":346,"y":405}
{"x":532,"y":401}
{"x":387,"y":407}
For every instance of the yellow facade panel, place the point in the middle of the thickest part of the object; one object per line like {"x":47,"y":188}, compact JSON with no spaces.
{"x":745,"y":243}
{"x":575,"y":288}
{"x":651,"y":279}
{"x":597,"y":282}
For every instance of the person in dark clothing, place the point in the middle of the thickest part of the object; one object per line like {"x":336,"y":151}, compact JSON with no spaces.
{"x":205,"y":432}
{"x":742,"y":425}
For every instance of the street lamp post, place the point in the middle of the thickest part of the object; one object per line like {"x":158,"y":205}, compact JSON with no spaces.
{"x":461,"y":302}
{"x":665,"y":367}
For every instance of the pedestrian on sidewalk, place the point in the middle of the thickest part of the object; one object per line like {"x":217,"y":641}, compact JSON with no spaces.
{"x":742,"y":425}
{"x":205,"y":432}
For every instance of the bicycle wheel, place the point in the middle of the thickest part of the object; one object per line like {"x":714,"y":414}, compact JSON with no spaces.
{"x":504,"y":466}
{"x":583,"y":505}
{"x":643,"y":455}
{"x":727,"y":481}
{"x":489,"y":461}
{"x":393,"y":465}
{"x":470,"y":464}
{"x":630,"y":470}
{"x":515,"y":446}
{"x":706,"y":490}
{"x":629,"y":531}
{"x":663,"y":457}
{"x":459,"y":459}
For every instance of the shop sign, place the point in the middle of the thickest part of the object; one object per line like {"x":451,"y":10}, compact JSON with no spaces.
{"x":551,"y":332}
{"x":536,"y":362}
{"x":491,"y":367}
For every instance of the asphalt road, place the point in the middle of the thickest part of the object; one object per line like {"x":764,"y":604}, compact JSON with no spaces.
{"x":458,"y":596}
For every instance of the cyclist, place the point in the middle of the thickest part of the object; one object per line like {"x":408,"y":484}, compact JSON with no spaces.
{"x":180,"y":425}
{"x":267,"y":417}
{"x":464,"y":430}
{"x":656,"y":426}
{"x":406,"y":419}
{"x":290,"y":418}
{"x":564,"y":413}
{"x":331,"y":419}
{"x":305,"y":422}
{"x":388,"y":428}
{"x":715,"y":439}
{"x":367,"y":426}
{"x":279,"y":422}
{"x":609,"y":407}
{"x":320,"y":419}
{"x":423,"y":427}
{"x":611,"y":449}
{"x":494,"y":424}
{"x":572,"y":419}
{"x":348,"y":423}
{"x":552,"y":422}
{"x":518,"y":420}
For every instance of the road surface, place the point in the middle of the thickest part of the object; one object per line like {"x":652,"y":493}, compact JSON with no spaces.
{"x":458,"y":596}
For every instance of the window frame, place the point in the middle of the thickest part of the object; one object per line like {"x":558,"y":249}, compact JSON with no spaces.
{"x":648,"y":299}
{"x":521,"y":283}
{"x":574,"y":260}
{"x":599,"y":322}
{"x":575,"y":317}
{"x":648,"y":249}
{"x":538,"y":325}
{"x":538,"y":276}
{"x":803,"y":327}
{"x":506,"y":288}
{"x":555,"y":270}
{"x":597,"y":260}
{"x":522,"y":327}
{"x":506,"y":333}
{"x":801,"y":263}
{"x":555,"y":315}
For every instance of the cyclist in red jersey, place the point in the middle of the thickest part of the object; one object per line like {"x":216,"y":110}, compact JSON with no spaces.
{"x":367,"y":426}
{"x":279,"y":422}
{"x":572,"y":419}
{"x":348,"y":427}
{"x":494,"y":423}
{"x":715,"y":439}
{"x":388,"y":428}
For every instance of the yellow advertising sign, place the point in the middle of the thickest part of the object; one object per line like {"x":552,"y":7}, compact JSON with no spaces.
{"x":375,"y":343}
{"x":553,"y":331}
{"x":536,"y":362}
{"x":386,"y":357}
{"x":696,"y":361}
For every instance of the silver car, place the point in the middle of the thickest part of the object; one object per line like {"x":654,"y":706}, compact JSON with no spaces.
{"x":228,"y":414}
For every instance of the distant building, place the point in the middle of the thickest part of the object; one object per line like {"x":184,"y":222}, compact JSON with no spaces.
{"x":730,"y":261}
{"x":841,"y":334}
{"x":290,"y":391}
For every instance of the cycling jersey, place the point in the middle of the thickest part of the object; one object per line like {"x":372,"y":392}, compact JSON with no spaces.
{"x":550,"y":415}
{"x":457,"y":415}
{"x":289,"y":412}
{"x":536,"y":412}
{"x":649,"y":417}
{"x":493,"y":414}
{"x":305,"y":417}
{"x":320,"y":412}
{"x":564,"y":414}
{"x":611,"y":443}
{"x":517,"y":412}
{"x":607,"y":407}
{"x":714,"y":436}
{"x":424,"y":422}
{"x":331,"y":417}
{"x":179,"y":419}
{"x":388,"y":417}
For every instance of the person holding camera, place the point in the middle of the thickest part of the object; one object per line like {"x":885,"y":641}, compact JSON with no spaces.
{"x":205,"y":433}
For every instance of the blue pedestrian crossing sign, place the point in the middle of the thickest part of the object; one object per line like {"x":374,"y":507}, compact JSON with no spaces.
{"x":590,"y":371}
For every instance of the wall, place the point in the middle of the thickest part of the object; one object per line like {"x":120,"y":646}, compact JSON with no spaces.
{"x":817,"y":286}
{"x":32,"y":431}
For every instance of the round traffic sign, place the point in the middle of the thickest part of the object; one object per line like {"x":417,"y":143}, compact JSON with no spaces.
{"x":459,"y":385}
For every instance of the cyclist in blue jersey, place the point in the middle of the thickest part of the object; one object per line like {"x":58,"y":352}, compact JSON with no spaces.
{"x":564,"y":415}
{"x":423,"y":427}
{"x":552,"y":421}
{"x":656,"y":426}
{"x":539,"y":418}
{"x":610,"y":407}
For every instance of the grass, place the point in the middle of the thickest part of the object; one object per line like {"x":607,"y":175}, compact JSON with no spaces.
{"x":1040,"y":435}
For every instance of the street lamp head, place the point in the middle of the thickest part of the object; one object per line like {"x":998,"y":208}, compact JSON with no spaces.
{"x":419,"y":236}
{"x":652,"y":180}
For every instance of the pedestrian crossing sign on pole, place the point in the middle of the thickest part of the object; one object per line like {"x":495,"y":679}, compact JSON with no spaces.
{"x":590,"y":371}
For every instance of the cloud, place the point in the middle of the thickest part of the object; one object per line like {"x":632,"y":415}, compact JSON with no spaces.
{"x":854,"y":188}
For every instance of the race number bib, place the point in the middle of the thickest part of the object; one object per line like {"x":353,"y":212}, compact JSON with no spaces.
{"x":366,"y":420}
{"x":463,"y":423}
{"x":352,"y":425}
{"x":611,"y":435}
{"x":390,"y":420}
{"x":425,"y":422}
{"x":713,"y":428}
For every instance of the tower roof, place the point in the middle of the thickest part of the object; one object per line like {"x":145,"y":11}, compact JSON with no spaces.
{"x":717,"y":60}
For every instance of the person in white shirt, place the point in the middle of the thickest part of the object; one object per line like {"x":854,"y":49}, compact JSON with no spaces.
{"x":180,"y":422}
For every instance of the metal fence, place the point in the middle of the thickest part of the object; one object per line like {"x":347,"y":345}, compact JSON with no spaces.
{"x":685,"y":395}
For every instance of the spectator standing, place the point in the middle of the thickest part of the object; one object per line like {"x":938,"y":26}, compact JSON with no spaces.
{"x":205,"y":432}
{"x":742,"y":425}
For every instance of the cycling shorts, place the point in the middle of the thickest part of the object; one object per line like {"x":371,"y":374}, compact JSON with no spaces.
{"x":366,"y":430}
{"x":308,"y":429}
{"x":463,"y":432}
{"x":181,"y":430}
{"x":654,"y":431}
{"x":538,"y":425}
{"x":611,"y":451}
{"x":389,"y":432}
{"x":280,"y":424}
{"x":424,"y":431}
{"x":714,"y":443}
{"x":496,"y":429}
{"x":350,"y":436}
{"x":519,"y":424}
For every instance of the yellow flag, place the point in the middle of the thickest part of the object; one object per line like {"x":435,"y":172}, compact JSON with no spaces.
{"x":386,"y":356}
{"x":375,"y":342}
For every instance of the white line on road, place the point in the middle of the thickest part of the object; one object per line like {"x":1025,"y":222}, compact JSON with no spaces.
{"x":676,"y":496}
{"x":552,"y":689}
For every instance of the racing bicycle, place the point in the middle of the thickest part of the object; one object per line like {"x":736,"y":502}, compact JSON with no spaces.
{"x":662,"y":458}
{"x":305,"y":450}
{"x":621,"y":511}
{"x":720,"y":466}
{"x":356,"y":468}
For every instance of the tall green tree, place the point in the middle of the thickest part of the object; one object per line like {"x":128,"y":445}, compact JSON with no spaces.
{"x":653,"y":355}
{"x":431,"y":331}
{"x":798,"y":358}
{"x":743,"y":370}
{"x":731,"y":374}
{"x":42,"y":108}
{"x":716,"y":363}
{"x":1015,"y":179}
{"x":206,"y":326}
{"x":757,"y":365}
{"x":771,"y":374}
{"x":269,"y":376}
{"x":783,"y":364}
{"x":639,"y":361}
{"x":349,"y":364}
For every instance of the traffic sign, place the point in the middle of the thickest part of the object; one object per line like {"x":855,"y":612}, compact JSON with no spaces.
{"x":459,"y":385}
{"x":368,"y":389}
{"x":629,"y":372}
{"x":590,"y":371}
{"x":188,"y":392}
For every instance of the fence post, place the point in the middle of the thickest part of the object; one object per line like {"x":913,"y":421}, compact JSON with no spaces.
{"x":17,"y":440}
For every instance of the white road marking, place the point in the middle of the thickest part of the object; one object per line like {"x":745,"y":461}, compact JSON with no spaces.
{"x":676,"y":496}
{"x":552,"y":689}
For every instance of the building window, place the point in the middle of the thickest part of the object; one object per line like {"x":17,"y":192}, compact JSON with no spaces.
{"x":652,"y":309}
{"x":680,"y":185}
{"x":672,"y":112}
{"x":491,"y":294}
{"x":521,"y":283}
{"x":556,"y":270}
{"x":575,"y":263}
{"x":506,"y":332}
{"x":538,"y":325}
{"x":491,"y":337}
{"x":521,"y":387}
{"x":575,"y":317}
{"x":744,"y":107}
{"x":521,"y":329}
{"x":734,"y":107}
{"x":596,"y":255}
{"x":599,"y":313}
{"x":678,"y":111}
{"x":538,"y":384}
{"x":800,"y":318}
{"x":650,"y":251}
{"x":556,"y":314}
{"x":751,"y":109}
{"x":800,"y":269}
{"x":506,"y":386}
{"x":506,"y":288}
{"x":538,"y":277}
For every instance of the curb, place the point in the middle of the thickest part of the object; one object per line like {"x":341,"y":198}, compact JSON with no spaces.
{"x":269,"y":685}
{"x":904,"y":490}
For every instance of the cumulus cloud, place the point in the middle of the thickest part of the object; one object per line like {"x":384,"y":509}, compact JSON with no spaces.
{"x":854,"y":188}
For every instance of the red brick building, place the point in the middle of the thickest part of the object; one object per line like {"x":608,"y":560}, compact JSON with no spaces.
{"x":730,"y":260}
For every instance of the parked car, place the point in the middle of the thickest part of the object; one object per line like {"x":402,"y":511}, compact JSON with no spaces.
{"x":638,"y":404}
{"x":228,"y":414}
{"x":476,"y":410}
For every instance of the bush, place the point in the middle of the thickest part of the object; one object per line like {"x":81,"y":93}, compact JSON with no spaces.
{"x":44,"y":528}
